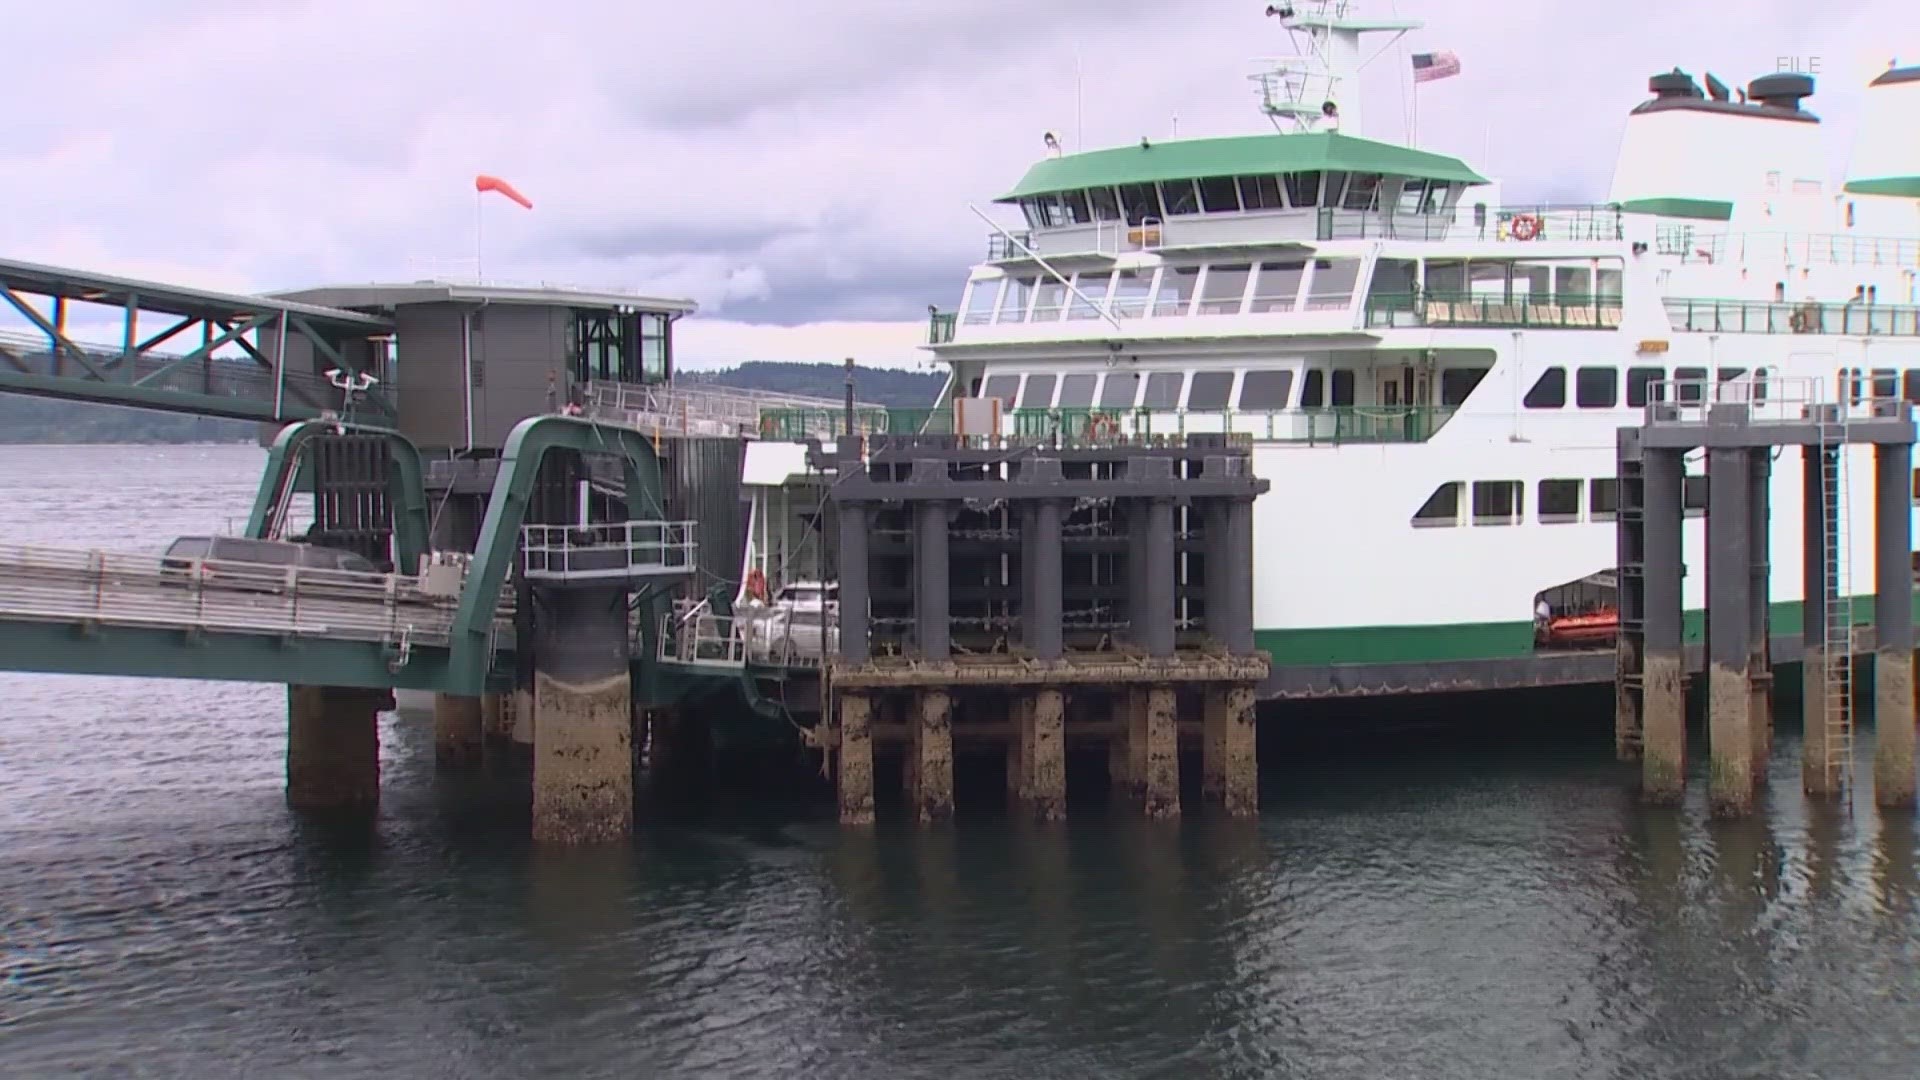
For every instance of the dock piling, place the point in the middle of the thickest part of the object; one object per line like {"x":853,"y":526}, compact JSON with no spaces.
{"x":1893,"y":765}
{"x":333,"y":747}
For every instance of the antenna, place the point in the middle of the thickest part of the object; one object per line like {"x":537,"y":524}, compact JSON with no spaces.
{"x":1296,"y":92}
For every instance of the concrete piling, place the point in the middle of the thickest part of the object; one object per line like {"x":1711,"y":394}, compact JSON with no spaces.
{"x":1229,"y":773}
{"x":582,"y":759}
{"x":1161,"y":790}
{"x":458,"y":731}
{"x":333,"y":747}
{"x":1663,"y":708}
{"x":931,"y":751}
{"x":1729,"y":622}
{"x":855,"y":760}
{"x":1893,"y":763}
{"x":1042,"y":754}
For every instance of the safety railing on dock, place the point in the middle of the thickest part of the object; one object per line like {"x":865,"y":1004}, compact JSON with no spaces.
{"x":137,"y":590}
{"x":770,"y":637}
{"x":1778,"y":398}
{"x":616,"y":550}
{"x":695,"y":410}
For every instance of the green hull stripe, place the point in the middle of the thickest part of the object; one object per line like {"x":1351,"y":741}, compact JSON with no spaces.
{"x":1904,"y":187}
{"x":1471,"y":641}
{"x":1700,"y":209}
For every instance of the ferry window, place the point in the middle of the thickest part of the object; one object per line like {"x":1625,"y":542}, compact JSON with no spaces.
{"x":1446,"y":276}
{"x":1303,"y":189}
{"x":1076,"y":391}
{"x":1106,"y":207}
{"x":1488,"y":280}
{"x":1759,"y":384}
{"x":1886,"y":383}
{"x":981,"y":300}
{"x":1219,"y":195}
{"x":1013,"y":301}
{"x":1363,"y":192}
{"x":1413,"y":193}
{"x":1176,"y":290}
{"x":1277,"y":286}
{"x":1498,"y":502}
{"x":1911,"y":385}
{"x":1559,"y":501}
{"x":1313,"y":389}
{"x":1728,"y":374}
{"x":1603,"y":498}
{"x":1692,"y":383}
{"x":1031,"y":208}
{"x":1693,"y":496}
{"x":1077,"y":211}
{"x":656,"y":347}
{"x":1572,"y":285}
{"x":1341,"y":389}
{"x":1608,"y":284}
{"x":1436,"y":197}
{"x":1140,"y":202}
{"x":1224,"y":289}
{"x":1120,"y":389}
{"x":1330,"y":191}
{"x":1260,"y":193}
{"x":1181,"y":196}
{"x":1265,"y":389}
{"x":1530,"y":282}
{"x":1002,"y":387}
{"x":1457,"y":383}
{"x":1051,"y":301}
{"x":1094,"y":288}
{"x":1331,"y":286}
{"x":1640,"y":382}
{"x":1211,"y":390}
{"x":1549,"y":391}
{"x":1394,"y":277}
{"x":1441,"y":508}
{"x":1163,"y":390}
{"x":1596,"y":387}
{"x":1039,"y":392}
{"x":1132,"y":289}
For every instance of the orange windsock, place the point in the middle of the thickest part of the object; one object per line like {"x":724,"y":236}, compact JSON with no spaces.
{"x":483,"y":182}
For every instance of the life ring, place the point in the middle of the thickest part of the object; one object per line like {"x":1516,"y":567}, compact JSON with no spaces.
{"x":1526,"y":227}
{"x":757,"y":584}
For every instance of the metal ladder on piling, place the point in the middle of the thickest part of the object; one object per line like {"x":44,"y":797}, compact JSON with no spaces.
{"x":1836,"y":582}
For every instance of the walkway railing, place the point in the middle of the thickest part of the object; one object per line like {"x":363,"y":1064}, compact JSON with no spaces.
{"x":1792,"y":249}
{"x":1803,"y":317}
{"x":700,"y":410}
{"x":127,"y":589}
{"x":614,"y":551}
{"x":1465,"y":310}
{"x":1332,"y":426}
{"x":772,"y":637}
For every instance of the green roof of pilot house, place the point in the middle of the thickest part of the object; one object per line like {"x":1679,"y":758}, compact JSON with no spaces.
{"x":1197,"y":159}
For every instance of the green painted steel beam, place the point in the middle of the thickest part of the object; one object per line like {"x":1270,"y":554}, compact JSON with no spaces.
{"x":202,"y":352}
{"x":148,"y":397}
{"x":164,"y":653}
{"x":406,"y":486}
{"x":499,"y":539}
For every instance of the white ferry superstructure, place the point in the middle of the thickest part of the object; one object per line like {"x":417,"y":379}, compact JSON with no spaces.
{"x":1433,"y":382}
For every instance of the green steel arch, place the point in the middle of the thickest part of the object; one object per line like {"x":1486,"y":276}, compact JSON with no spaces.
{"x":406,"y":486}
{"x":470,"y":651}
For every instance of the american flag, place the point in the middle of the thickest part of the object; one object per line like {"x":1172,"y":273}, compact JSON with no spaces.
{"x":1428,"y":66}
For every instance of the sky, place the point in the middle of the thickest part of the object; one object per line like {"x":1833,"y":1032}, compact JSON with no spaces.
{"x":801,"y":170}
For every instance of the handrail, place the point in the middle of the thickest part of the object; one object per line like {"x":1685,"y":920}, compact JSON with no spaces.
{"x":1706,"y":315}
{"x":616,"y":549}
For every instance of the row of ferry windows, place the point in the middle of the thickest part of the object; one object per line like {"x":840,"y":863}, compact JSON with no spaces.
{"x":1208,"y":289}
{"x":1598,"y":387}
{"x":1206,"y":391}
{"x":1136,"y":203}
{"x":1558,"y":501}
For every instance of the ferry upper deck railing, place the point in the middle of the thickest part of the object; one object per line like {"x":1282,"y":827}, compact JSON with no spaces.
{"x":139,"y":590}
{"x":1472,"y":310}
{"x":1322,"y":426}
{"x":1788,"y":248}
{"x":1852,"y":317}
{"x":615,"y":550}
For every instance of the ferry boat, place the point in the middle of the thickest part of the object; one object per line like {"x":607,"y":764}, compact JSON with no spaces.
{"x":1433,"y":381}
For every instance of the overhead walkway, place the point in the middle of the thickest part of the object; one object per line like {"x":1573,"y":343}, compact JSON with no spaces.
{"x":154,"y":361}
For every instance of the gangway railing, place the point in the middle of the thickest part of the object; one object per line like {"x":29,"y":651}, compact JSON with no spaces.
{"x":137,"y":590}
{"x":617,"y":550}
{"x":693,"y":410}
{"x":769,"y":637}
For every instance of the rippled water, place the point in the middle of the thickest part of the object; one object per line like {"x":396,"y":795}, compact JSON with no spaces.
{"x":1474,"y":909}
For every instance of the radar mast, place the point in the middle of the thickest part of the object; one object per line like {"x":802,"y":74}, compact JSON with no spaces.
{"x":1318,"y":88}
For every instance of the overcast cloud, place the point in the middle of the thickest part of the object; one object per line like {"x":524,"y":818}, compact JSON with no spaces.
{"x":802,"y":170}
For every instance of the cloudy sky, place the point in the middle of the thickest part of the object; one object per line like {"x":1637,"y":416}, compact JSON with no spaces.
{"x":803,"y":170}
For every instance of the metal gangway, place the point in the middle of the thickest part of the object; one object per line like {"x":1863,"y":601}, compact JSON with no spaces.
{"x":682,"y":409}
{"x":91,"y":588}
